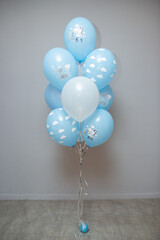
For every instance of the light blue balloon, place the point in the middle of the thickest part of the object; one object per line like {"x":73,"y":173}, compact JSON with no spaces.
{"x":97,"y":128}
{"x":105,"y":98}
{"x":59,"y":66}
{"x":100,"y":66}
{"x":62,"y":128}
{"x":53,"y":97}
{"x":80,"y":38}
{"x":84,"y":227}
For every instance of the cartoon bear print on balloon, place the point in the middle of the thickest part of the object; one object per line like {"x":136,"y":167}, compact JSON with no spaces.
{"x":77,"y":33}
{"x":104,"y":98}
{"x":90,"y":132}
{"x":63,"y":71}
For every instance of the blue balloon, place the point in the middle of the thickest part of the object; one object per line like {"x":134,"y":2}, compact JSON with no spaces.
{"x":53,"y":97}
{"x":80,"y":38}
{"x":84,"y":227}
{"x":105,"y":98}
{"x":97,"y":128}
{"x":100,"y":66}
{"x":59,"y":66}
{"x":62,"y":128}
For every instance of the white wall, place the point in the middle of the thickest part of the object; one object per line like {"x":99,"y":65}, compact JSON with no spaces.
{"x":31,"y":164}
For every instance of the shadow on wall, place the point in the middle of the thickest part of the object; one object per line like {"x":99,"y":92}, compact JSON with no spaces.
{"x":99,"y":162}
{"x":98,"y":168}
{"x":99,"y":38}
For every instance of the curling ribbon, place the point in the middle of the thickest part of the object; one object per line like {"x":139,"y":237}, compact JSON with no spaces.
{"x":81,"y":149}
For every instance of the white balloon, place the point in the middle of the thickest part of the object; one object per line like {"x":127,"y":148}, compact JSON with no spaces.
{"x":80,"y":97}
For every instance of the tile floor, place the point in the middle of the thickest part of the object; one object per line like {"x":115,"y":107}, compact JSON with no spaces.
{"x":56,"y":220}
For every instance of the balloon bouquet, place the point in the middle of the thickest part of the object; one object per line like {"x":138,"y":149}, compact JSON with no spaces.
{"x":79,"y":104}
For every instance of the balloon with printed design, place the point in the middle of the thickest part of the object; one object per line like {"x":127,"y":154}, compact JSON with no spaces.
{"x":97,"y":128}
{"x":100,"y":67}
{"x":80,"y":38}
{"x":59,"y":66}
{"x":53,"y":97}
{"x":62,"y":128}
{"x":105,"y":98}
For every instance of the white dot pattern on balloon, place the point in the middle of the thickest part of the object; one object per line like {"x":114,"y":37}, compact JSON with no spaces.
{"x":111,"y":75}
{"x":51,"y":133}
{"x":92,"y":126}
{"x":60,"y":109}
{"x":101,"y":49}
{"x":67,"y":117}
{"x":61,"y":130}
{"x":92,"y":65}
{"x":94,"y":80}
{"x":114,"y":61}
{"x":109,"y":97}
{"x":103,"y":69}
{"x":103,"y":59}
{"x":92,"y":57}
{"x":73,"y":129}
{"x":98,"y":119}
{"x":88,"y":71}
{"x":99,"y":76}
{"x":62,"y":137}
{"x":51,"y":113}
{"x":55,"y":123}
{"x":61,"y":141}
{"x":73,"y":122}
{"x":47,"y":126}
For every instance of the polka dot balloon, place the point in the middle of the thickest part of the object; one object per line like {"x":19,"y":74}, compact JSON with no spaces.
{"x":100,"y":67}
{"x":62,"y":128}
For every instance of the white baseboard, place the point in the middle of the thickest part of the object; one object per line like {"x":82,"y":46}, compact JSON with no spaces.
{"x":74,"y":196}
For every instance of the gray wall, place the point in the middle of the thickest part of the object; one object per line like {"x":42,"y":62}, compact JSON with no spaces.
{"x":31,"y":164}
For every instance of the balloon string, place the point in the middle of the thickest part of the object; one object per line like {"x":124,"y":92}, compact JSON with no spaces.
{"x":81,"y":149}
